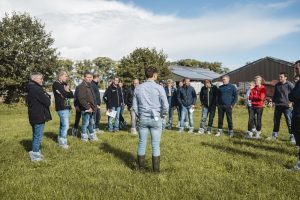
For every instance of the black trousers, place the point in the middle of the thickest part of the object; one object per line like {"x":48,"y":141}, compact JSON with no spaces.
{"x":221,"y":112}
{"x":97,"y":118}
{"x":77,"y":119}
{"x":255,"y":115}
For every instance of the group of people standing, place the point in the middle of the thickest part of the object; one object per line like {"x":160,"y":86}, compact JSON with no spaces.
{"x":150,"y":104}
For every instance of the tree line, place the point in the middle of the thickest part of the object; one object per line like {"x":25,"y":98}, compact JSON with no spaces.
{"x":26,"y":47}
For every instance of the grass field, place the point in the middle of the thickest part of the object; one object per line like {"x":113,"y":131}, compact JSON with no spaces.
{"x":192,"y":166}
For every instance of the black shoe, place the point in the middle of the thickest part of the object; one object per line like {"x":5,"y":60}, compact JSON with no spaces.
{"x":155,"y":163}
{"x":141,"y":162}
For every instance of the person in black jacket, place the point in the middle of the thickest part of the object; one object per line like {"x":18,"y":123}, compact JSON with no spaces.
{"x":282,"y":106}
{"x":77,"y":115}
{"x":186,"y":97}
{"x":171,"y":93}
{"x":62,"y":94}
{"x":129,"y":98}
{"x":208,"y":98}
{"x":38,"y":102}
{"x":114,"y":99}
{"x":97,"y":116}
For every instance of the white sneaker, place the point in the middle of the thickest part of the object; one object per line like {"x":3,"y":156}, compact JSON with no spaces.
{"x":35,"y":156}
{"x":292,"y":139}
{"x":219,"y":132}
{"x":64,"y":146}
{"x":249,"y":135}
{"x":180,"y":130}
{"x":231,"y":133}
{"x":273,"y":137}
{"x":74,"y":132}
{"x":191,"y":131}
{"x":257,"y":135}
{"x":133,"y":131}
{"x":186,"y":124}
{"x":208,"y":133}
{"x":201,"y":131}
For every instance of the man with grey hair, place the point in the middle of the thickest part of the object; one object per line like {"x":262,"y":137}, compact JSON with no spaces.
{"x":62,"y":94}
{"x":38,"y":102}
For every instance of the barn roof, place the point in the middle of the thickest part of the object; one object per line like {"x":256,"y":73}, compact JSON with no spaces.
{"x":193,"y":73}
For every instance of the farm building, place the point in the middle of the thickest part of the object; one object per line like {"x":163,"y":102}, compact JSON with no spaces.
{"x":267,"y":67}
{"x":196,"y":75}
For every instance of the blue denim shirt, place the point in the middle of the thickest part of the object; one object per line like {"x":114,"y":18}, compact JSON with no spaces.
{"x":150,"y":100}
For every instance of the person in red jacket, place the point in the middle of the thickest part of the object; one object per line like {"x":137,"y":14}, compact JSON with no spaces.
{"x":257,"y":97}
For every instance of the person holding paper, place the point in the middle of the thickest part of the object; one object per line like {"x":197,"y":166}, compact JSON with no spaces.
{"x":227,"y":98}
{"x":87,"y":105}
{"x":114,"y":98}
{"x":187,"y":98}
{"x":150,"y":105}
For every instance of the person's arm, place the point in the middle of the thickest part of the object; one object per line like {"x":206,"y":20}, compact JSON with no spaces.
{"x":60,"y":90}
{"x":42,"y":97}
{"x":109,"y":99}
{"x":194,"y":95}
{"x":234,"y":96}
{"x":275,"y":94}
{"x":82,"y":98}
{"x":134,"y":103}
{"x":201,"y":96}
{"x":179,"y":98}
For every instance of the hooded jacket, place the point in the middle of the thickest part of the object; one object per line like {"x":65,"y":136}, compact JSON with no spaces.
{"x":257,"y":96}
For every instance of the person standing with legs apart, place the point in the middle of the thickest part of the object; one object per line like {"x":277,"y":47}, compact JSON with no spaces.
{"x":87,"y":105}
{"x":294,"y":97}
{"x":187,"y":98}
{"x":62,"y":94}
{"x":129,"y":100}
{"x":97,"y":116}
{"x":114,"y":98}
{"x":227,"y":98}
{"x":150,"y":105}
{"x":282,"y":106}
{"x":38,"y":102}
{"x":208,"y":98}
{"x":257,"y":98}
{"x":172,"y":99}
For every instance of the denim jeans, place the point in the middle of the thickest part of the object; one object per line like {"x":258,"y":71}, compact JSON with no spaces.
{"x":110,"y":120}
{"x":37,"y":135}
{"x":221,"y":112}
{"x":279,"y":110}
{"x":133,"y":119}
{"x":87,"y":128}
{"x":64,"y":116}
{"x":185,"y":110}
{"x":147,"y":124}
{"x":97,"y":117}
{"x":179,"y":108}
{"x":205,"y":112}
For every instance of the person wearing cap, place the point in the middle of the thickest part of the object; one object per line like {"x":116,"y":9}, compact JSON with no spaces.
{"x":294,"y":97}
{"x":208,"y":99}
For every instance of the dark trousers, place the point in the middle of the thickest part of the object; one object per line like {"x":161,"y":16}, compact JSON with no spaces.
{"x":279,"y":110}
{"x":77,"y":119}
{"x":97,"y":118}
{"x":296,"y":130}
{"x":254,"y":126}
{"x":221,"y":112}
{"x":255,"y":121}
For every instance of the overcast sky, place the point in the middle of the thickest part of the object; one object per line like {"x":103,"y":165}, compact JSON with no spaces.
{"x":231,"y":32}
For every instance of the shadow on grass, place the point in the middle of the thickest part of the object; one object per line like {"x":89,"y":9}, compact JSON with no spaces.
{"x":233,"y":151}
{"x":262,"y":146}
{"x":51,"y":135}
{"x":27,"y":144}
{"x":127,"y":158}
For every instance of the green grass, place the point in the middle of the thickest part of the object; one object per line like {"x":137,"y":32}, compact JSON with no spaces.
{"x":192,"y":167}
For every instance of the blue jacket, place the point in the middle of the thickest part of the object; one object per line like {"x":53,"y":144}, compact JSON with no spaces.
{"x":294,"y":96}
{"x":227,"y":95}
{"x":96,"y":91}
{"x":172,"y":100}
{"x":186,"y":96}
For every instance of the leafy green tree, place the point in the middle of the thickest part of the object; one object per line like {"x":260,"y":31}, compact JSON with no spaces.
{"x":67,"y":65}
{"x":25,"y":47}
{"x":133,"y":65}
{"x":81,"y":67}
{"x":106,"y":67}
{"x":214,"y":66}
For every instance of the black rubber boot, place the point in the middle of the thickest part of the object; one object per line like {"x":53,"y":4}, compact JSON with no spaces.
{"x":156,"y":163}
{"x":141,"y":161}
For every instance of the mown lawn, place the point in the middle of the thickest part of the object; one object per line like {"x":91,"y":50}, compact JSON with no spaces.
{"x":192,"y":166}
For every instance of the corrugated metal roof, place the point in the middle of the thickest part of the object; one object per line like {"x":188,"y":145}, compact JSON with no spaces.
{"x":194,"y":73}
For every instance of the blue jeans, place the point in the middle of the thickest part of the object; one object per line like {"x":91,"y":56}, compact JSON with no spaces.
{"x":87,"y":128}
{"x":37,"y":135}
{"x":147,"y":124}
{"x":110,"y":120}
{"x":64,"y":116}
{"x":185,"y":110}
{"x":279,"y":110}
{"x":205,"y":112}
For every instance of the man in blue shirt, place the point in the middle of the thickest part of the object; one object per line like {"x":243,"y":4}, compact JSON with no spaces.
{"x":150,"y":105}
{"x":226,"y":99}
